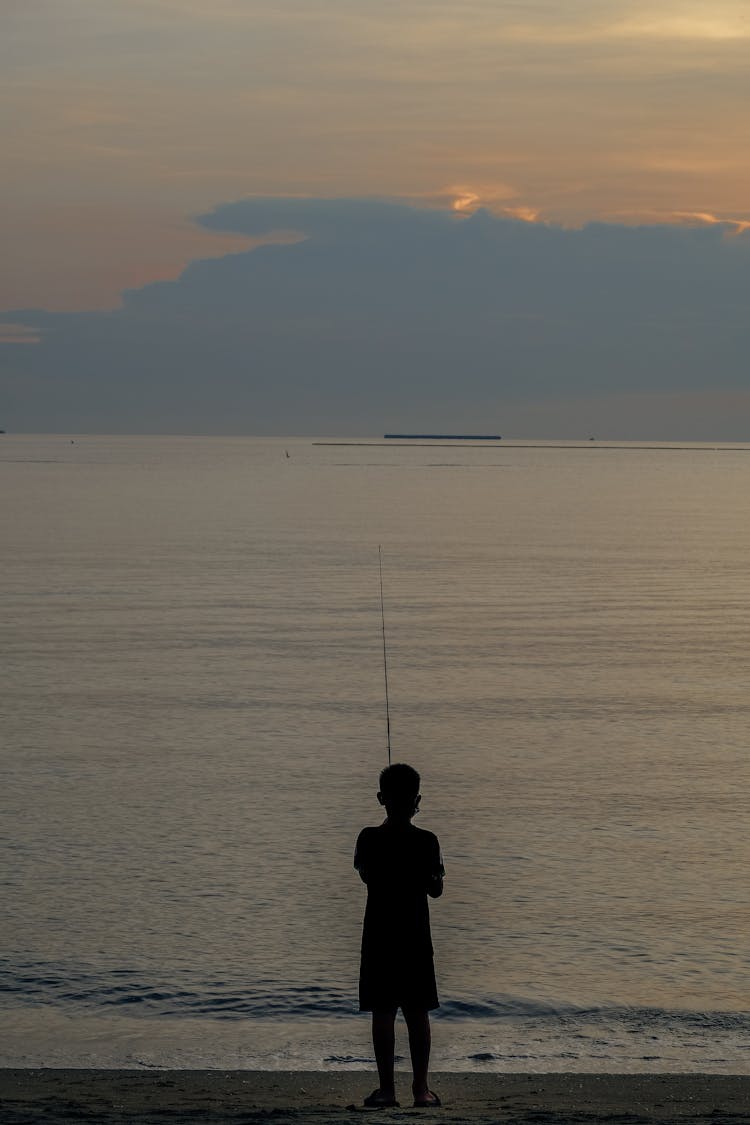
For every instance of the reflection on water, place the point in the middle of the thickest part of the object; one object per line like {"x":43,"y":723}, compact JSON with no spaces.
{"x":193,"y":716}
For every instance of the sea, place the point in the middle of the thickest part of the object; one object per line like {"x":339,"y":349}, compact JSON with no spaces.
{"x":193,"y":721}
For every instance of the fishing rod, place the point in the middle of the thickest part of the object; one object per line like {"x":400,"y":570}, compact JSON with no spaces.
{"x":385,"y":658}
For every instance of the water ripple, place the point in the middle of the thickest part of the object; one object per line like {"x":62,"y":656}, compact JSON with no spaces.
{"x":84,"y":989}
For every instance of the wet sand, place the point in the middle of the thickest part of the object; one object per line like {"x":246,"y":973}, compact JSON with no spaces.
{"x":109,"y":1096}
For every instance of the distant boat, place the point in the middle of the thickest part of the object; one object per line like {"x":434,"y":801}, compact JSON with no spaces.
{"x":446,"y":437}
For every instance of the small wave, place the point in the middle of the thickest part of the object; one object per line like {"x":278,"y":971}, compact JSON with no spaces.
{"x":349,"y":1059}
{"x":182,"y":992}
{"x":501,"y":1007}
{"x":87,"y":989}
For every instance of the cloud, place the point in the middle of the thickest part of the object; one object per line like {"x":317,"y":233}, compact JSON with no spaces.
{"x":113,"y":246}
{"x":387,"y":315}
{"x":724,"y":23}
{"x":730,"y":225}
{"x":738,"y":226}
{"x":588,"y":108}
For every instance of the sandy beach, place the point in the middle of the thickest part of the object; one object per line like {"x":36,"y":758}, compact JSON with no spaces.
{"x":108,"y":1096}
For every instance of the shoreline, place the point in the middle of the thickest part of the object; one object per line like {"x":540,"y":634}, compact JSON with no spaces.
{"x":52,"y":1096}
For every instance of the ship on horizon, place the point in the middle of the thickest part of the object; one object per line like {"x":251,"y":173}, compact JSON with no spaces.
{"x":445,"y":437}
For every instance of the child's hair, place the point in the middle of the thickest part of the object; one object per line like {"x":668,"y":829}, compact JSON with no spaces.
{"x":399,"y":784}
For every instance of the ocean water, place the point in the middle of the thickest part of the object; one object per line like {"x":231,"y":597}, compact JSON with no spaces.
{"x":193,"y":722}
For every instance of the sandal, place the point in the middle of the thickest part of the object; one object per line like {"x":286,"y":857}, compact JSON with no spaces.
{"x":432,"y":1101}
{"x":376,"y":1100}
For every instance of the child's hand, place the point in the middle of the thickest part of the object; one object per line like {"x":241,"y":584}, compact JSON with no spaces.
{"x":435,"y":886}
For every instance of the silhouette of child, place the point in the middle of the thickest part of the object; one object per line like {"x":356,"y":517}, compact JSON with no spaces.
{"x":401,"y":865}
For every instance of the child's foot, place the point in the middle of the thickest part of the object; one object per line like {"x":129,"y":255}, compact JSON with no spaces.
{"x":381,"y":1099}
{"x":427,"y":1100}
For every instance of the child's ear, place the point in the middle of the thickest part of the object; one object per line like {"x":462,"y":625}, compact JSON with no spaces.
{"x":380,"y":799}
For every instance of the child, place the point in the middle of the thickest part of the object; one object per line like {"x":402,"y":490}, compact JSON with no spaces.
{"x":401,"y":866}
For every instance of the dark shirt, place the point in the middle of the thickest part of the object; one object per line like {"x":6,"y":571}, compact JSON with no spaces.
{"x":401,"y":865}
{"x":399,"y":860}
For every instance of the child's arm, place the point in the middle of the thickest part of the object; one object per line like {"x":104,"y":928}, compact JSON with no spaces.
{"x":359,"y":859}
{"x":436,"y":874}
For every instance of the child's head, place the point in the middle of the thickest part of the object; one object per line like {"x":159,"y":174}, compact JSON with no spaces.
{"x":399,"y":790}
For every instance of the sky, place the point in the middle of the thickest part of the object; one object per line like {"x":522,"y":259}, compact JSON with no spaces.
{"x":352,"y":216}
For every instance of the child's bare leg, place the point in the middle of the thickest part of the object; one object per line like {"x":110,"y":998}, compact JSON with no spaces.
{"x":384,"y":1042}
{"x":420,"y":1039}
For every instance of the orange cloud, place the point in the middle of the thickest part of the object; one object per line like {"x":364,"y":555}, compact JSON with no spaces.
{"x":527,"y":214}
{"x":681,"y":218}
{"x":737,"y":225}
{"x":467,"y":202}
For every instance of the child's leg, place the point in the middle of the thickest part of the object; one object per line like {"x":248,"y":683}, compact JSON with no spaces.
{"x":420,"y":1038}
{"x":384,"y":1042}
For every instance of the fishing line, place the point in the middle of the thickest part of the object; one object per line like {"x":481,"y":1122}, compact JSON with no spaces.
{"x":385,"y":657}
